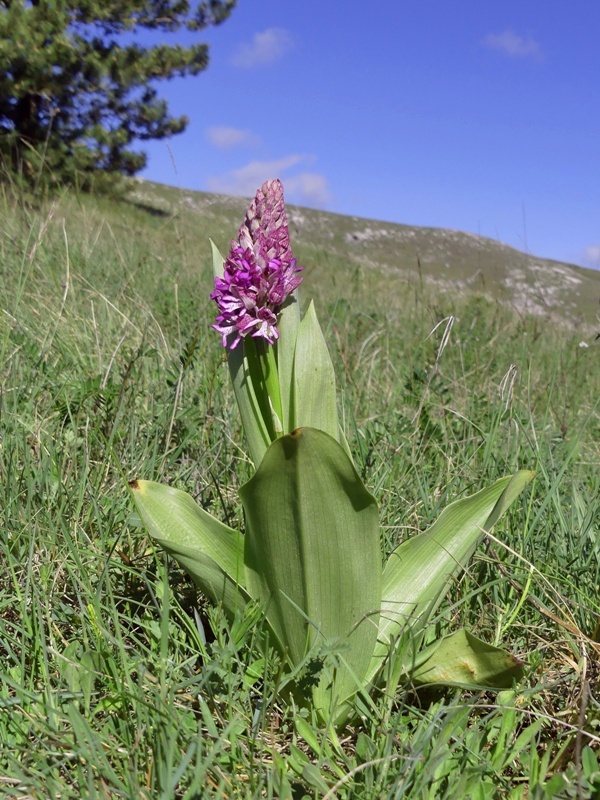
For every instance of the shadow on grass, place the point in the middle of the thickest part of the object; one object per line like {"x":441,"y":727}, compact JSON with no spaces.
{"x":148,"y":209}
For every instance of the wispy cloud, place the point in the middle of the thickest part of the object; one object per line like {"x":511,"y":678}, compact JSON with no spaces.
{"x":308,"y":189}
{"x":591,"y":255}
{"x":304,"y":188}
{"x":265,"y":48}
{"x":225,"y":138}
{"x":512,"y":45}
{"x":245,"y":180}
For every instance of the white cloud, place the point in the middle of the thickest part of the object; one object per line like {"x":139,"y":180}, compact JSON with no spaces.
{"x":308,"y":189}
{"x":304,"y":188}
{"x":591,"y":255}
{"x":225,"y":138}
{"x":512,"y":45}
{"x":265,"y":48}
{"x":245,"y":180}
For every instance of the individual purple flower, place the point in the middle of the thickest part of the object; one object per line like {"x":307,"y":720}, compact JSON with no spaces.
{"x":260,"y":272}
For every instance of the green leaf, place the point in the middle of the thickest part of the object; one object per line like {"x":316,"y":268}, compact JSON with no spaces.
{"x":314,"y":399}
{"x":218,"y":262}
{"x":312,"y":553}
{"x":289,"y":321}
{"x":589,"y":763}
{"x":314,"y":777}
{"x":212,"y":580}
{"x":418,"y":572}
{"x":212,"y":553}
{"x":462,"y":659}
{"x":515,"y":486}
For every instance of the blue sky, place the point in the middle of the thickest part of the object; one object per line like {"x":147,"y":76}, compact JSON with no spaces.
{"x":467,"y":114}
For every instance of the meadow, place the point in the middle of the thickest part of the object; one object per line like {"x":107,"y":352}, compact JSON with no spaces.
{"x":117,"y":679}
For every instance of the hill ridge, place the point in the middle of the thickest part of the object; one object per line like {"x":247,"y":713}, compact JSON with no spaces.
{"x":451,"y":260}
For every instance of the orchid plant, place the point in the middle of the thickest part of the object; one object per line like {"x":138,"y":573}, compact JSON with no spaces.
{"x":310,"y":557}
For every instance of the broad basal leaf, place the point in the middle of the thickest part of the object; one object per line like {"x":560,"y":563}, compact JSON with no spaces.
{"x":418,"y":572}
{"x":462,"y":659}
{"x":312,"y":551}
{"x":212,"y":553}
{"x":210,"y":578}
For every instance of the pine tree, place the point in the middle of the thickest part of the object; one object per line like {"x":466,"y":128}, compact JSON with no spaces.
{"x":75,"y":88}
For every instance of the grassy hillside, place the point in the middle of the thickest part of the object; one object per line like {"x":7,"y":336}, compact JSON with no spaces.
{"x":460,"y":263}
{"x":117,"y":680}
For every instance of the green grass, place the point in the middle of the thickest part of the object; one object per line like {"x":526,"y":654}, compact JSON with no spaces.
{"x":117,"y":679}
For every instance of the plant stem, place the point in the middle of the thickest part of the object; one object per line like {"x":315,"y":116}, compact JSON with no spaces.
{"x":268,"y":359}
{"x":262,"y":362}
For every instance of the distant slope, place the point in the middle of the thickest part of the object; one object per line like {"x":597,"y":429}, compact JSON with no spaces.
{"x":450,"y":260}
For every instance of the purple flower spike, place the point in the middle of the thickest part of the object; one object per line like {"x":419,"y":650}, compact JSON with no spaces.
{"x":260,"y":272}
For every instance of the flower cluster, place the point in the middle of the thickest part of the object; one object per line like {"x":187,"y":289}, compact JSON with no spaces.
{"x":260,"y":272}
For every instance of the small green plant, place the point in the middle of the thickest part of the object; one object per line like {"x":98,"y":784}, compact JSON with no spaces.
{"x":582,"y":783}
{"x":310,"y":557}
